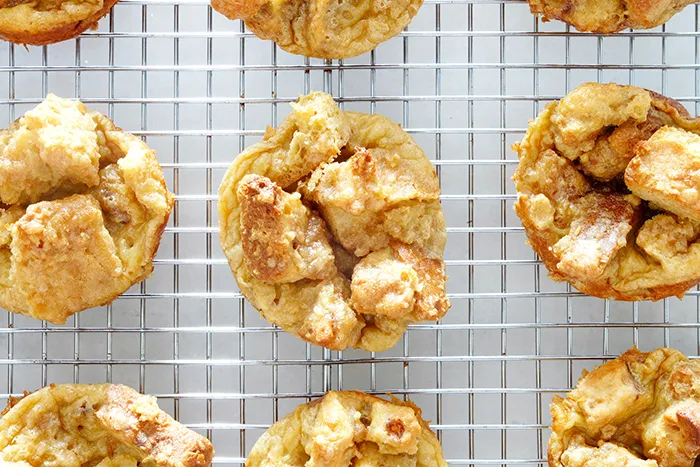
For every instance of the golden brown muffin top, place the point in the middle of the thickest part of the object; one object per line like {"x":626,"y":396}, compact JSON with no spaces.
{"x":333,"y":227}
{"x":639,"y":410}
{"x":106,"y":425}
{"x":322,"y":28}
{"x":349,"y":428}
{"x":83,"y":206}
{"x":609,"y":16}
{"x":608,"y":195}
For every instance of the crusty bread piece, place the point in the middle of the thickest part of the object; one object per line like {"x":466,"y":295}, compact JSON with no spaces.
{"x":666,"y":172}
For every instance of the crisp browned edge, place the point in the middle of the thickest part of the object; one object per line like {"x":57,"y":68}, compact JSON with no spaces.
{"x":602,"y":288}
{"x":12,"y":401}
{"x":61,"y":33}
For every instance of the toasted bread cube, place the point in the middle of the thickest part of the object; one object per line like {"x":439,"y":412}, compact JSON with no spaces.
{"x":666,"y":172}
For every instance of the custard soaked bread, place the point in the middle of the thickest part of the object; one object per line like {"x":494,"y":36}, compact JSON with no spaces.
{"x":84,"y":205}
{"x":41,"y":22}
{"x":101,"y":425}
{"x":349,"y":428}
{"x":639,"y":410}
{"x":608,"y":192}
{"x":333,"y":228}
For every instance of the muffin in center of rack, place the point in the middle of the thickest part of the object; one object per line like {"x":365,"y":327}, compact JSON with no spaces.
{"x":333,"y":227}
{"x":82,"y":209}
{"x":609,"y":192}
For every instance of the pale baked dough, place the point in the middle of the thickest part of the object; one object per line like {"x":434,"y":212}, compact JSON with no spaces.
{"x":84,"y":205}
{"x":101,"y":425}
{"x":333,"y":228}
{"x":609,"y":195}
{"x":328,"y":29}
{"x":609,"y":16}
{"x":349,"y":428}
{"x":41,"y":22}
{"x":639,"y":410}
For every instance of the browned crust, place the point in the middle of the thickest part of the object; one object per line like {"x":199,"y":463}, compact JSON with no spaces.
{"x":60,"y":33}
{"x":161,"y":229}
{"x":12,"y":401}
{"x":262,"y":211}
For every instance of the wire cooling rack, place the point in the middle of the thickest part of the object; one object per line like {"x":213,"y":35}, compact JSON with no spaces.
{"x":463,"y":79}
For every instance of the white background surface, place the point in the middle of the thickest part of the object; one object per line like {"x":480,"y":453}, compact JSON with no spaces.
{"x":200,"y":90}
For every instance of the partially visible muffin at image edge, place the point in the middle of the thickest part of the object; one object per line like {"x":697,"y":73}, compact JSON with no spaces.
{"x":641,"y":409}
{"x":345,"y":428}
{"x":330,"y":29}
{"x":42,"y":22}
{"x":102,"y":425}
{"x":606,"y":17}
{"x":84,"y":205}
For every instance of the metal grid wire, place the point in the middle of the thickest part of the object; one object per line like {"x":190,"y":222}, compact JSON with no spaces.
{"x":463,"y":79}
